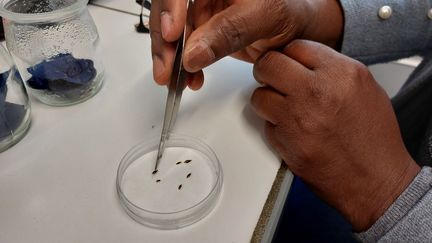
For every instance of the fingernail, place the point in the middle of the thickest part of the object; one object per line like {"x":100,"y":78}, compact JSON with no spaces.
{"x":166,"y":24}
{"x":198,"y":56}
{"x":194,"y":82}
{"x":158,"y":68}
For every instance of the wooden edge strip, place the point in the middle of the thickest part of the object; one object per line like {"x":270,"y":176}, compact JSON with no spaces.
{"x":269,"y":205}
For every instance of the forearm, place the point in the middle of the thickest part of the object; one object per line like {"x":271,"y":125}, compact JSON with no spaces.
{"x":372,"y":39}
{"x":409,"y":219}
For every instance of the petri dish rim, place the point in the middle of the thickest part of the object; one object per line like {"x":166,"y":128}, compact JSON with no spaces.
{"x":172,"y":138}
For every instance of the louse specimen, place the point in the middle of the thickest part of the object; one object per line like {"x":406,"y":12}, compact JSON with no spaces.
{"x":188,"y":175}
{"x":158,"y":181}
{"x":188,"y":161}
{"x":178,"y":163}
{"x":154,"y":172}
{"x":180,"y":186}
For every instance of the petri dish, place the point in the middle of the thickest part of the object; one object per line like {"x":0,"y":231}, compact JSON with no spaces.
{"x":184,"y":190}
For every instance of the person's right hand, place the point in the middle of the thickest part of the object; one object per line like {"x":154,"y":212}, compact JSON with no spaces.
{"x":244,"y":29}
{"x":335,"y":128}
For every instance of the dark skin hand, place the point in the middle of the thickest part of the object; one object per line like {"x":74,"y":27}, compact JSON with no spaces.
{"x":334,"y":127}
{"x":326,"y":116}
{"x":244,"y":29}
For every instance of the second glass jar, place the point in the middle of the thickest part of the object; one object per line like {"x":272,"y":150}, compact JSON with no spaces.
{"x":54,"y":44}
{"x":14,"y":104}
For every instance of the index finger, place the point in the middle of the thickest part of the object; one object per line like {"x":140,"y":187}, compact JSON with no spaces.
{"x":281,"y":72}
{"x":172,"y":18}
{"x":162,"y":52}
{"x":310,"y":54}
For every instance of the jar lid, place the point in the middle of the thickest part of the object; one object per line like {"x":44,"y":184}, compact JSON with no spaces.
{"x":34,"y":11}
{"x":183,"y":190}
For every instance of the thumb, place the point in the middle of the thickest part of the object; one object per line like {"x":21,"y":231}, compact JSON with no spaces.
{"x":223,"y":34}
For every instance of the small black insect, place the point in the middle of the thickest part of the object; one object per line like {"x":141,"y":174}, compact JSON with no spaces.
{"x":188,"y":161}
{"x":154,"y":172}
{"x":188,"y":175}
{"x":180,"y":186}
{"x":178,"y":163}
{"x":158,"y":181}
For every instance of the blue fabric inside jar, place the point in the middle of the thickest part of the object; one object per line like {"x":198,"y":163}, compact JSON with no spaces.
{"x":11,"y":115}
{"x":62,"y":74}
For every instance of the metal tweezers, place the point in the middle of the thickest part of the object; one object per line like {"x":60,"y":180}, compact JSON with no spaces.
{"x":175,"y":89}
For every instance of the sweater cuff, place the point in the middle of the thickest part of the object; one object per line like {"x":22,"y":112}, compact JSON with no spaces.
{"x":371,"y":39}
{"x":405,"y":202}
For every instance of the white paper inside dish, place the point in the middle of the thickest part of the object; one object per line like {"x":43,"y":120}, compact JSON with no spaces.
{"x":175,"y":191}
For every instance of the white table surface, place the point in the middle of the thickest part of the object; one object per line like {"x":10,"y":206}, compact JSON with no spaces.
{"x":58,"y":183}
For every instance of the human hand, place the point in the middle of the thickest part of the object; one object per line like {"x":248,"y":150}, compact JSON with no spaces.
{"x":244,"y":29}
{"x":334,"y":127}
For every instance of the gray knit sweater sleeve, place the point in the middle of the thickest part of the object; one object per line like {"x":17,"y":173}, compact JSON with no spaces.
{"x":409,"y":219}
{"x":371,"y":39}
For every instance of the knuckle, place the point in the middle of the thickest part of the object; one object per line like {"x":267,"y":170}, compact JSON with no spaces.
{"x":357,"y":71}
{"x":259,"y":67}
{"x":357,"y":78}
{"x":320,"y":93}
{"x":265,"y":105}
{"x":317,"y":90}
{"x":255,"y":97}
{"x":156,"y":35}
{"x":330,"y":99}
{"x":258,"y":97}
{"x":265,"y":61}
{"x":305,"y":125}
{"x":298,"y":43}
{"x":296,"y":46}
{"x":232,"y":29}
{"x":292,"y":147}
{"x":276,"y":14}
{"x":256,"y":71}
{"x":313,"y":124}
{"x":341,"y":87}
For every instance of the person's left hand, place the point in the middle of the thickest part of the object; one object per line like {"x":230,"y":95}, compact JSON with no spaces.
{"x":334,"y":127}
{"x":242,"y":28}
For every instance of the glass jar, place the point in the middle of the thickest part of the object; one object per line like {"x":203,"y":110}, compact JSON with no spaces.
{"x":14,"y":103}
{"x":54,"y":45}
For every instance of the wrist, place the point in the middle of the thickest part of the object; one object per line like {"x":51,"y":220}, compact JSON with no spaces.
{"x":363,"y":216}
{"x":326,"y":24}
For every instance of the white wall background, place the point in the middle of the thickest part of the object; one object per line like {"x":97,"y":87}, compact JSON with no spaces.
{"x":391,"y":76}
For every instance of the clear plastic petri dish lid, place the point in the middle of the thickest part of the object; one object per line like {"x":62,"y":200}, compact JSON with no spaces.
{"x":184,"y":190}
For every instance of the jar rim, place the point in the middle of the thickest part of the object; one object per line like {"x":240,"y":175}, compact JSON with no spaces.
{"x":41,"y":17}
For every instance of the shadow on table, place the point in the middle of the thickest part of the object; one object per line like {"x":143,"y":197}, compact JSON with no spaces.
{"x":305,"y":218}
